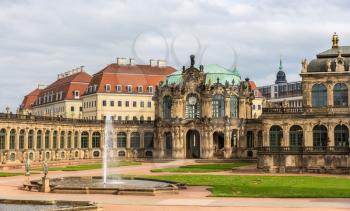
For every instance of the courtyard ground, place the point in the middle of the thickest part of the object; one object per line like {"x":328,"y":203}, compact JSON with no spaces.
{"x":195,"y":197}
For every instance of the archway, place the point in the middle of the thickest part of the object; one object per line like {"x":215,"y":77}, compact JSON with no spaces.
{"x":192,"y":144}
{"x":219,"y":144}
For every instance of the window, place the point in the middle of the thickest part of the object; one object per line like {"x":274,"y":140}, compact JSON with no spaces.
{"x":295,"y":136}
{"x":12,"y":138}
{"x":148,"y":140}
{"x":112,"y":103}
{"x":80,"y":109}
{"x":234,"y":107}
{"x":340,"y":95}
{"x":76,"y":94}
{"x":319,"y":95}
{"x":72,"y":108}
{"x":135,"y":140}
{"x":192,"y":109}
{"x":54,"y":140}
{"x":134,"y":104}
{"x":320,"y":136}
{"x":276,"y":136}
{"x":218,"y":106}
{"x":119,"y":103}
{"x":76,"y":137}
{"x":142,"y":104}
{"x":108,"y":88}
{"x":30,"y":139}
{"x":126,"y":103}
{"x":38,"y":139}
{"x":341,"y":136}
{"x":149,"y":104}
{"x":139,"y":89}
{"x":121,"y":140}
{"x":167,"y":103}
{"x":21,"y":139}
{"x":96,"y":139}
{"x":47,"y":139}
{"x":84,"y":139}
{"x":250,"y":139}
{"x":129,"y":88}
{"x":62,"y":140}
{"x":69,"y":139}
{"x":253,"y":106}
{"x":104,"y":103}
{"x":2,"y":138}
{"x":260,"y":139}
{"x":118,"y":88}
{"x":134,"y":118}
{"x":150,"y":89}
{"x":119,"y":118}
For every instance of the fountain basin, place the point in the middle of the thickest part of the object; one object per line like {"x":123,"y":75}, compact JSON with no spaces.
{"x":119,"y":186}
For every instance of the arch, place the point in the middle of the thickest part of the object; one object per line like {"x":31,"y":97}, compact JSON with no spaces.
{"x":341,"y":136}
{"x":295,"y":136}
{"x":148,"y":140}
{"x":54,"y":139}
{"x":96,"y":139}
{"x":135,"y":140}
{"x":121,"y":140}
{"x":62,"y":139}
{"x":320,"y":136}
{"x":30,"y":139}
{"x":218,"y":140}
{"x":121,"y":154}
{"x":2,"y":138}
{"x":218,"y":106}
{"x":192,"y":144}
{"x":192,"y":109}
{"x":39,"y":136}
{"x":234,"y":107}
{"x":250,"y":139}
{"x":84,"y":140}
{"x":47,"y":139}
{"x":340,"y":95}
{"x":260,"y":138}
{"x":319,"y":95}
{"x":12,"y":138}
{"x":167,"y":104}
{"x":276,"y":135}
{"x":22,"y":133}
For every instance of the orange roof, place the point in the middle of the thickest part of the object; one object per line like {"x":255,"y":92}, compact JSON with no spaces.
{"x":30,"y":99}
{"x":134,"y":75}
{"x":67,"y":85}
{"x":253,"y":86}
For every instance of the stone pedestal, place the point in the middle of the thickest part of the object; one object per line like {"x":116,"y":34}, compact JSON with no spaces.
{"x":45,"y":185}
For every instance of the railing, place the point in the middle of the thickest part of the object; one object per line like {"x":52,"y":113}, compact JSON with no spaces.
{"x":303,"y":150}
{"x":20,"y":117}
{"x":283,"y":110}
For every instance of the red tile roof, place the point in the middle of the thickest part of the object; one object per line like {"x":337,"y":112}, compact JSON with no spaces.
{"x":30,"y":99}
{"x":135,"y":75}
{"x":253,"y":86}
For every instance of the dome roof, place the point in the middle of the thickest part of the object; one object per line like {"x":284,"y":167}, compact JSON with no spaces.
{"x":212,"y":72}
{"x":281,"y":75}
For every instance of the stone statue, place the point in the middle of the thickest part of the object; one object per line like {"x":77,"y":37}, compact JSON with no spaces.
{"x":328,"y":63}
{"x":304,"y":64}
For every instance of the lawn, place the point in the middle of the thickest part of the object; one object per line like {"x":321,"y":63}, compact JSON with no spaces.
{"x":89,"y":166}
{"x":201,"y":168}
{"x":267,"y":186}
{"x":7,"y":174}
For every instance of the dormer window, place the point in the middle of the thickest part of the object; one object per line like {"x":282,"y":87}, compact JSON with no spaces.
{"x":76,"y":94}
{"x":108,"y":88}
{"x":150,"y":89}
{"x":139,"y":89}
{"x":95,"y":88}
{"x":118,"y":88}
{"x":129,"y":88}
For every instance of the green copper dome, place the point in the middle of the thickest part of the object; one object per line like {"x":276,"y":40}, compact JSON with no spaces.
{"x":213,"y":73}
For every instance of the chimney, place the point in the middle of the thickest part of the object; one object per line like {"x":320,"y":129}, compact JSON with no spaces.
{"x":122,"y":61}
{"x":153,"y":62}
{"x":161,"y":63}
{"x":82,"y":68}
{"x":132,"y":62}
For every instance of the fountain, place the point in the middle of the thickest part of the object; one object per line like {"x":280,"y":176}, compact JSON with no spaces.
{"x":108,"y":143}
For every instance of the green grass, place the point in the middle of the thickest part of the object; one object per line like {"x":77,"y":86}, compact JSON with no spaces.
{"x":10,"y":174}
{"x":267,"y":186}
{"x":201,"y":168}
{"x":89,"y":166}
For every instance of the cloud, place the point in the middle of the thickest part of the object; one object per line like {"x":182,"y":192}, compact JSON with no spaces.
{"x":40,"y":39}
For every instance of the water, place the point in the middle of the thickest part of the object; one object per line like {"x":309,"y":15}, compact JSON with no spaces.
{"x":108,"y":145}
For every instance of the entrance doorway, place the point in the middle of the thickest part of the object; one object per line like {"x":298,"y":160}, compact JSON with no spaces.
{"x":192,"y":144}
{"x":219,"y":144}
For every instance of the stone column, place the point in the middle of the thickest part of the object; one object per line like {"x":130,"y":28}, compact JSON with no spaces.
{"x":17,"y":140}
{"x":329,"y":93}
{"x":90,"y":140}
{"x":43,"y":144}
{"x":227,"y":144}
{"x":35,"y":137}
{"x":242,"y":108}
{"x":51,"y":140}
{"x":266,"y":135}
{"x":58,"y":141}
{"x":210,"y":143}
{"x":308,"y":135}
{"x":285,"y":128}
{"x":65,"y":139}
{"x":7,"y":139}
{"x":227,"y":106}
{"x":255,"y":132}
{"x":160,"y":145}
{"x":330,"y":132}
{"x":142,"y":139}
{"x":79,"y":140}
{"x":26,"y":139}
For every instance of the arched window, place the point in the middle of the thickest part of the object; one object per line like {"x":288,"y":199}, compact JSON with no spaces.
{"x":62,"y":139}
{"x":167,"y":103}
{"x":192,"y":109}
{"x":39,"y":136}
{"x":319,"y":95}
{"x":340,"y":95}
{"x":148,"y":140}
{"x":260,"y":139}
{"x":218,"y":106}
{"x":341,"y":136}
{"x":84,"y":139}
{"x":135,"y":140}
{"x":276,"y":135}
{"x":121,"y":140}
{"x":2,"y":138}
{"x":234,"y":107}
{"x":250,"y":139}
{"x":96,"y":139}
{"x":47,"y":139}
{"x":76,"y":138}
{"x":69,"y":139}
{"x":54,"y":139}
{"x":320,"y":136}
{"x":21,"y":138}
{"x":30,"y":139}
{"x":295,"y":136}
{"x":12,"y":138}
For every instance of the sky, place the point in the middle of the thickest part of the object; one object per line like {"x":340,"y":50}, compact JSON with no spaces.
{"x":40,"y":39}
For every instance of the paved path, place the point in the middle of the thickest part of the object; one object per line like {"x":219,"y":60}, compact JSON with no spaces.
{"x":192,"y":198}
